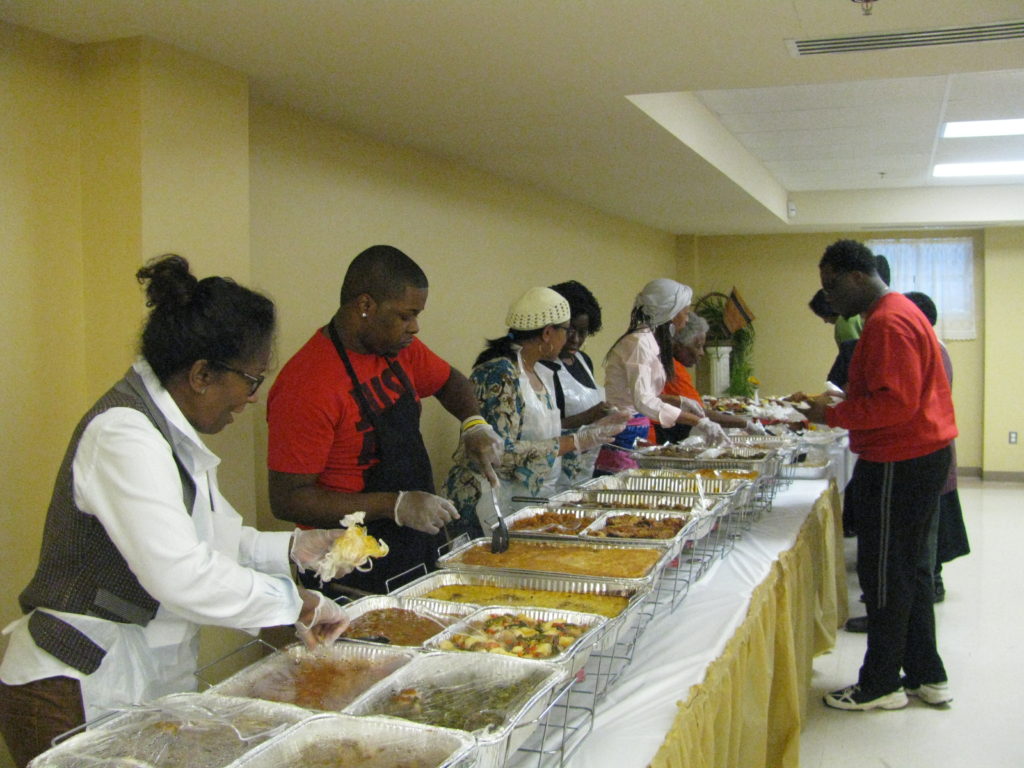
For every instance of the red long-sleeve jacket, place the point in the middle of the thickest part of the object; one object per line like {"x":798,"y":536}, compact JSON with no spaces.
{"x":899,"y":405}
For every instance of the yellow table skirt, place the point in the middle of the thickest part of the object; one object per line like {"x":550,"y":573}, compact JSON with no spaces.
{"x":749,"y":709}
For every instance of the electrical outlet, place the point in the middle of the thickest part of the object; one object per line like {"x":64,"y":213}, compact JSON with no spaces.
{"x":1013,"y":438}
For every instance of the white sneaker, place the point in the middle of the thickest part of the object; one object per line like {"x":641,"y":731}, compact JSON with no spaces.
{"x":935,"y":694}
{"x":853,"y":698}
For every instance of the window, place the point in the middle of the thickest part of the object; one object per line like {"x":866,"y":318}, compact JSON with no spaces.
{"x":943,"y":268}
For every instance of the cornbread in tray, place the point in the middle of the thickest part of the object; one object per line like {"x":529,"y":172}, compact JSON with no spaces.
{"x":559,"y":557}
{"x":486,"y":594}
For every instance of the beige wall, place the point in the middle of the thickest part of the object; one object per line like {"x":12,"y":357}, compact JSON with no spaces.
{"x":778,"y":274}
{"x":320,"y":195}
{"x":1004,"y":363}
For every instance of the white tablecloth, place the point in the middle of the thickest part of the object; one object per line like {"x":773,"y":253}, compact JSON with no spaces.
{"x":675,"y":650}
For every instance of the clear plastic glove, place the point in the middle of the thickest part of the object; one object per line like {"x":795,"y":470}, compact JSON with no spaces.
{"x":424,"y":511}
{"x":484,"y":448}
{"x":601,"y":431}
{"x":310,"y":547}
{"x":754,"y":427}
{"x":712,"y":434}
{"x":321,"y":620}
{"x":691,"y":406}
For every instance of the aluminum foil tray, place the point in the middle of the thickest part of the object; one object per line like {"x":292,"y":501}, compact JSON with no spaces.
{"x":577,"y":519}
{"x":571,"y":658}
{"x":618,"y":626}
{"x":381,"y":741}
{"x":183,"y":729}
{"x":675,"y":543}
{"x":444,"y":613}
{"x":453,"y":560}
{"x":664,"y":481}
{"x":768,"y":466}
{"x":632,"y":500}
{"x":328,"y":678}
{"x":497,"y":698}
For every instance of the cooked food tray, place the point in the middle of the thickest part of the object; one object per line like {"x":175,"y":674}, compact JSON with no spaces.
{"x":327,"y":678}
{"x":675,"y":542}
{"x":329,"y":741}
{"x":531,"y":633}
{"x":400,"y":621}
{"x":644,"y":500}
{"x":542,"y":555}
{"x":183,"y":729}
{"x":550,"y":521}
{"x":664,"y":481}
{"x":496,"y":698}
{"x":767,"y":465}
{"x":619,"y":601}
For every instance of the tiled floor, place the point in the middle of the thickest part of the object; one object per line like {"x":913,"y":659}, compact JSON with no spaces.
{"x":981,"y":639}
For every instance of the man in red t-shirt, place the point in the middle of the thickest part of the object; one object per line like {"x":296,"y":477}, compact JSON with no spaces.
{"x":899,"y":411}
{"x":343,"y":420}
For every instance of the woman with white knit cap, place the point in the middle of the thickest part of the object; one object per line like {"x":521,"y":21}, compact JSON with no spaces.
{"x":517,"y":398}
{"x":640,"y":363}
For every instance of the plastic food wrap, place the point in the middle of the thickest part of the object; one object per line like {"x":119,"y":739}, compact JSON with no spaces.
{"x":342,"y":741}
{"x":198,"y":731}
{"x":328,"y":678}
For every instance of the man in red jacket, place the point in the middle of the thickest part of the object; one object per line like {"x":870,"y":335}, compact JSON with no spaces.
{"x":899,"y":411}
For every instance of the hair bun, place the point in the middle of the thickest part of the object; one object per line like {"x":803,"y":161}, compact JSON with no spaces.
{"x":171,"y":284}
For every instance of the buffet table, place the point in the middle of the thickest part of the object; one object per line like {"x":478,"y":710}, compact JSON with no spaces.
{"x":723,"y":680}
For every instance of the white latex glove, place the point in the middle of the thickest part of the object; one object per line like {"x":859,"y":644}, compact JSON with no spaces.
{"x":484,"y":448}
{"x":691,"y":406}
{"x":310,"y":547}
{"x":712,"y":433}
{"x":424,"y":511}
{"x":601,"y":431}
{"x":754,"y":427}
{"x":321,"y":621}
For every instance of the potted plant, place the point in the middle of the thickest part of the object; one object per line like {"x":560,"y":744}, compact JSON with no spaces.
{"x":729,"y":327}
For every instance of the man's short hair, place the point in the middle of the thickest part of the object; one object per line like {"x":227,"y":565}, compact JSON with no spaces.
{"x":924,"y":302}
{"x":382,"y":271}
{"x":819,"y":305}
{"x":849,"y":256}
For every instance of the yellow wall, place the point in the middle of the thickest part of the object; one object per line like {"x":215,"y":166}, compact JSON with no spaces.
{"x":320,"y":195}
{"x":42,"y":386}
{"x":1004,"y":362}
{"x":793,"y":349}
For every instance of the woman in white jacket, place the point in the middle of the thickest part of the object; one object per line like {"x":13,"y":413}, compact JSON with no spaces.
{"x":139,"y":546}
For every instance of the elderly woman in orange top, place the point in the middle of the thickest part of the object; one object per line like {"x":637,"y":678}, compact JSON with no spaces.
{"x":687,"y":350}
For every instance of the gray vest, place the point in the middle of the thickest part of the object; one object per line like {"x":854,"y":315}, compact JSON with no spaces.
{"x":80,"y":570}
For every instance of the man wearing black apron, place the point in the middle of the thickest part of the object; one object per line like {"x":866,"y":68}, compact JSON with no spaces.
{"x":344,"y":422}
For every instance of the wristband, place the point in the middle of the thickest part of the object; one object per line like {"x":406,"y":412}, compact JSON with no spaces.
{"x":398,"y":501}
{"x":473,"y":421}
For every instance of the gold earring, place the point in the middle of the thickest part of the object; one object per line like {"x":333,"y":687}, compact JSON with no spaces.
{"x":203,"y":391}
{"x":363,"y":315}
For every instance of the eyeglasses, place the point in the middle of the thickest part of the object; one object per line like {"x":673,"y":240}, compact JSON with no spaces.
{"x":254,"y":381}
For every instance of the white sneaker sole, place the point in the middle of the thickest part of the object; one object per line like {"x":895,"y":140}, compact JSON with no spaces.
{"x":895,"y":700}
{"x":929,"y":694}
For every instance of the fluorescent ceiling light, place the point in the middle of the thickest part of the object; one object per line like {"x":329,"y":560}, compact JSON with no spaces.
{"x":1003,"y":168}
{"x":971,"y":128}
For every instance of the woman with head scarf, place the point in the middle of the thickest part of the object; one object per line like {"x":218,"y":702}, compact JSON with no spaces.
{"x":640,"y":363}
{"x":517,"y":398}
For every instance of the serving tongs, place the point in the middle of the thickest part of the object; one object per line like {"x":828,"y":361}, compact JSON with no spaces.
{"x":499,"y":531}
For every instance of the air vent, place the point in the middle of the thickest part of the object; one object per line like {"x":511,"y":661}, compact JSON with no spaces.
{"x":1010,"y":30}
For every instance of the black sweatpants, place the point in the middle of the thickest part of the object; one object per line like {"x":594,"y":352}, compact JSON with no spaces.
{"x":893,"y":508}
